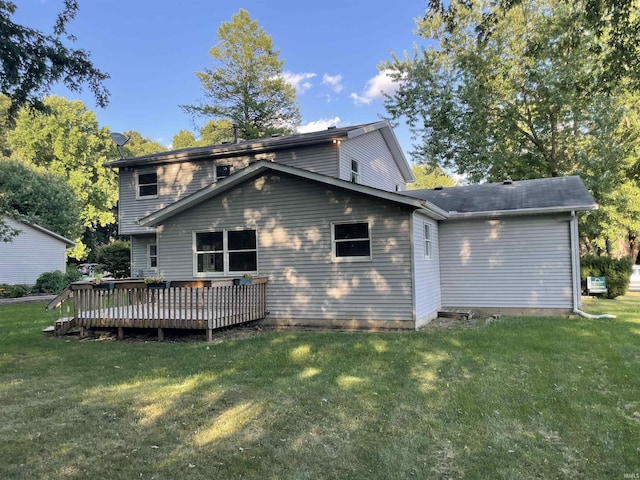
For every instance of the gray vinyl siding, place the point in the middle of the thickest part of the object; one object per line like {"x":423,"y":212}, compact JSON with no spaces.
{"x":378,"y":169}
{"x":139,"y":256}
{"x":177,"y":180}
{"x":321,"y":158}
{"x":426,"y":270}
{"x":522,"y":262}
{"x":293,"y":219}
{"x":29,"y":255}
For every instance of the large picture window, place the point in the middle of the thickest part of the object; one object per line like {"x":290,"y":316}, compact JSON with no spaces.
{"x":351,"y":241}
{"x":147,"y":184}
{"x":225,"y":252}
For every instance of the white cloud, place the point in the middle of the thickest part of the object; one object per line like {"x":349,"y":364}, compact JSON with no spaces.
{"x":333,"y":81}
{"x":375,"y":89}
{"x":318,"y":125}
{"x":360,"y":100}
{"x":299,"y":81}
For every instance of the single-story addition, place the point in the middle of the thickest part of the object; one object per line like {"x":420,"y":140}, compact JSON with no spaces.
{"x":34,"y":251}
{"x":340,"y":253}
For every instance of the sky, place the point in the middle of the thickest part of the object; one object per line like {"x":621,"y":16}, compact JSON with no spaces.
{"x":151,"y":50}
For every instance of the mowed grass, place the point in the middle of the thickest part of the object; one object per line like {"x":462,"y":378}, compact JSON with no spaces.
{"x":517,"y":398}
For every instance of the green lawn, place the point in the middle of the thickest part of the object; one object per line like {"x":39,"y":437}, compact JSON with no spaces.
{"x":518,"y":398}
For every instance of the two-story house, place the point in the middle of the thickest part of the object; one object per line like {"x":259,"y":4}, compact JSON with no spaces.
{"x":327,"y":218}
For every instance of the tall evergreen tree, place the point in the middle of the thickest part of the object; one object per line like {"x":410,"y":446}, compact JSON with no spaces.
{"x":245,"y":84}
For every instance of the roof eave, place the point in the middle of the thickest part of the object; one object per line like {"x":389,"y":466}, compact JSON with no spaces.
{"x":227,"y":150}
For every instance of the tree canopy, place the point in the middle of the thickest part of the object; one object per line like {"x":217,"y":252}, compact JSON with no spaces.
{"x":245,"y":85}
{"x":32,"y":194}
{"x":68,"y":142}
{"x":428,"y":176}
{"x":517,"y":101}
{"x":32,"y":61}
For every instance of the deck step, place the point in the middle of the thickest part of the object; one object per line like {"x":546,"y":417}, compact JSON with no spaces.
{"x":63,"y":325}
{"x":456,"y":313}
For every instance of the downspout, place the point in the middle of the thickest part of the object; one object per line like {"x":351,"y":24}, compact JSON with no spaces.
{"x":575,"y":271}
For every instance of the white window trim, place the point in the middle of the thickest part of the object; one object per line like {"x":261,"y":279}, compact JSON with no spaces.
{"x":137,"y":181}
{"x":149,"y":267}
{"x":225,"y":253}
{"x":354,"y":174}
{"x":428,"y":240}
{"x":337,"y":259}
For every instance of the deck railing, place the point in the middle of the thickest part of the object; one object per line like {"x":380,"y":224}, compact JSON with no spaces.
{"x":183,"y":304}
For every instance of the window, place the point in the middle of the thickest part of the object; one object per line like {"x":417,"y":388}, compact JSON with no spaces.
{"x":351,"y":242}
{"x":228,"y":251}
{"x":427,"y":240}
{"x":355,"y":171}
{"x":222,"y":171}
{"x":147,"y":184}
{"x":152,"y":255}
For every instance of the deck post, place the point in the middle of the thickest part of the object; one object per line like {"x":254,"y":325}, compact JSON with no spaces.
{"x":83,"y":332}
{"x":209,"y":335}
{"x":120,"y":333}
{"x":160,"y":334}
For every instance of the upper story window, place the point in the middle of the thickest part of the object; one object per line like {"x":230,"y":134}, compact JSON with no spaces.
{"x":427,"y":240}
{"x":227,"y":251}
{"x":355,"y":171}
{"x":147,"y":184}
{"x":222,"y":171}
{"x":351,"y":242}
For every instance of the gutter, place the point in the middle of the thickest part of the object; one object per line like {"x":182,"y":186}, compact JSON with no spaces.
{"x":521,"y":211}
{"x":575,"y":271}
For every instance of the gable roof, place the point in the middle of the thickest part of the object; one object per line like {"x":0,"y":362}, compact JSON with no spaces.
{"x":542,"y":195}
{"x":332,"y":134}
{"x":261,"y":167}
{"x":35,"y":226}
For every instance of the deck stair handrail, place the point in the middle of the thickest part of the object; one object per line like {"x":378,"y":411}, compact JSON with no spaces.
{"x":61,"y":309}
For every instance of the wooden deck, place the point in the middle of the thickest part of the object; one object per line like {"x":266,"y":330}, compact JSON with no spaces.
{"x":202,"y":305}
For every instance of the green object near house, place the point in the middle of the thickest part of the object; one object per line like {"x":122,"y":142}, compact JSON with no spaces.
{"x":596,"y":285}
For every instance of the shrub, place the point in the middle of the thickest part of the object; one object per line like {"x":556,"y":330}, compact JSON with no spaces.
{"x":115,"y":258}
{"x":616,"y":273}
{"x":14,"y":291}
{"x":72,"y":274}
{"x":51,"y":282}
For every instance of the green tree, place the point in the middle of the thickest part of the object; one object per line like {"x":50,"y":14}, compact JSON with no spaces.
{"x":183,"y":139}
{"x":32,"y":194}
{"x":215,"y":132}
{"x":614,"y":23}
{"x":428,"y":176}
{"x":115,"y":258}
{"x":32,"y":61}
{"x":68,"y":142}
{"x":517,"y":103}
{"x":137,"y":145}
{"x":246,"y":85}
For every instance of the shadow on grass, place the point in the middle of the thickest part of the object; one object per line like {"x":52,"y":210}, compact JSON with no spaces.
{"x":520,"y":398}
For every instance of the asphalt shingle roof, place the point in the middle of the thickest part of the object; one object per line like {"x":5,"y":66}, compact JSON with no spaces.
{"x":557,"y":192}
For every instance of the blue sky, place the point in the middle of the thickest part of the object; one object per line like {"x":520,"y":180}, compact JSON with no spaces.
{"x":151,"y":49}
